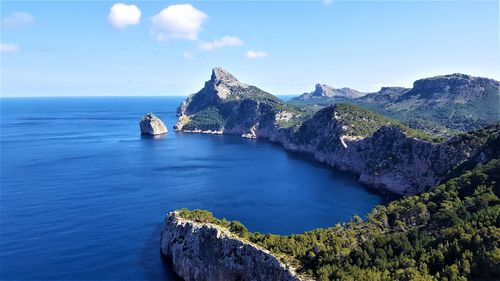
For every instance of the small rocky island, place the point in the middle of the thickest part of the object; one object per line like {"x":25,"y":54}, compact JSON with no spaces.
{"x":152,"y":125}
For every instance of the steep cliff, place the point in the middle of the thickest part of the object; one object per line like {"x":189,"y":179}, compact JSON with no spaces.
{"x":210,"y":252}
{"x":385,"y":155}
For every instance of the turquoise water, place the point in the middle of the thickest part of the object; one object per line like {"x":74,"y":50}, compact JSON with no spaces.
{"x":83,"y":195}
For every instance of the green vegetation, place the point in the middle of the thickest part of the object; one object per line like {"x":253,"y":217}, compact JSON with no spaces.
{"x":204,"y":216}
{"x":450,"y":233}
{"x":436,"y":110}
{"x":442,"y":116}
{"x":317,"y":102}
{"x":358,"y":121}
{"x":207,"y":119}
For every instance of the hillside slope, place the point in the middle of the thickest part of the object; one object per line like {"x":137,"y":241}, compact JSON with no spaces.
{"x":442,"y":105}
{"x":457,"y":102}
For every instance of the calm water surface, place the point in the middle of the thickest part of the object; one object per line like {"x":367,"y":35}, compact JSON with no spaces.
{"x":83,"y":195}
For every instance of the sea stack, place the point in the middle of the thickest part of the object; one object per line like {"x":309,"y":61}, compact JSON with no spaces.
{"x":152,"y":125}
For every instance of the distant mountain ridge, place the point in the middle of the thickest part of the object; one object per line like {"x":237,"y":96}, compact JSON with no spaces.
{"x":459,"y":88}
{"x":456,"y":101}
{"x":442,"y":104}
{"x":323,"y":91}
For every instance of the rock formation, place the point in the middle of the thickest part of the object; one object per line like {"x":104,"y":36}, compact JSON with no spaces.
{"x":226,"y":105}
{"x":152,"y":125}
{"x":326,"y":95}
{"x":208,"y":252}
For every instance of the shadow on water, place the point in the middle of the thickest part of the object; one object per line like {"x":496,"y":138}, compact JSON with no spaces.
{"x":309,"y":158}
{"x":153,"y":137}
{"x":152,"y":262}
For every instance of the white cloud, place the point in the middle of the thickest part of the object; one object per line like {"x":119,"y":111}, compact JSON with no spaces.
{"x":122,"y":15}
{"x":181,"y":21}
{"x":9,"y":48}
{"x":18,"y":20}
{"x":256,"y":54}
{"x":223,"y":42}
{"x":188,"y":55}
{"x":327,"y":2}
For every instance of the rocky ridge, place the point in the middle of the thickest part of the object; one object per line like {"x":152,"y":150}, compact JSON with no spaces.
{"x":455,"y":101}
{"x":209,"y":252}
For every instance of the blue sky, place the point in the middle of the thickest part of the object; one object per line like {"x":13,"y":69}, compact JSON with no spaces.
{"x":61,"y":48}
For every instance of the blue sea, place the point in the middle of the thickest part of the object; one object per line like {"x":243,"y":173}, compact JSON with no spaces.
{"x":83,"y":195}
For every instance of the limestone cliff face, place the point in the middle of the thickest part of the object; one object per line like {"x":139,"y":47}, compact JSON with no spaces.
{"x":325,"y":91}
{"x":208,"y":252}
{"x":389,"y":160}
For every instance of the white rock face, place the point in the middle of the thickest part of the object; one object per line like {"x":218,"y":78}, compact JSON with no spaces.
{"x":208,"y":252}
{"x":152,"y":125}
{"x":325,"y":91}
{"x":225,"y":83}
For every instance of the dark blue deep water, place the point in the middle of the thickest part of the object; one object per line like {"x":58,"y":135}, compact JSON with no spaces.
{"x":83,"y":195}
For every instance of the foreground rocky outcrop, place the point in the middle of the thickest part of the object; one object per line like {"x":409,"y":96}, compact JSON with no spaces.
{"x":386,"y":155}
{"x":209,"y":252}
{"x":152,"y":125}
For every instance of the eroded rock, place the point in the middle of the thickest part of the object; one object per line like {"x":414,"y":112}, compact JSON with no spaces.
{"x":208,"y":252}
{"x":152,"y":125}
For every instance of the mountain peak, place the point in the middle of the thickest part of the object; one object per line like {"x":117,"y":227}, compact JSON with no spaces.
{"x":222,"y":76}
{"x":457,"y":87}
{"x":323,"y":90}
